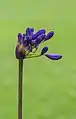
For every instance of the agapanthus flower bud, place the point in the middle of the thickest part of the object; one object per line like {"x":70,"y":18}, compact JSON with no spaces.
{"x":49,"y":35}
{"x":20,"y":38}
{"x":53,"y":56}
{"x":32,"y":30}
{"x":40,"y":39}
{"x":44,"y":50}
{"x":38,"y":33}
{"x":28,"y":31}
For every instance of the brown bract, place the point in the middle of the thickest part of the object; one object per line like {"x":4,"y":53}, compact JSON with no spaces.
{"x":21,"y":48}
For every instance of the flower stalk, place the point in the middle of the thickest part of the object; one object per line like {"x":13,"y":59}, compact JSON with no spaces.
{"x":20,"y":89}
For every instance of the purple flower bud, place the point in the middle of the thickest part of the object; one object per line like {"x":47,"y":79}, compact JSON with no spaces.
{"x":24,"y":35}
{"x":19,"y":55}
{"x":53,"y":56}
{"x":28,"y":48}
{"x":40,"y":39}
{"x":20,"y":38}
{"x":32,"y":30}
{"x":49,"y":35}
{"x":44,"y":50}
{"x":29,"y":39}
{"x":33,"y":42}
{"x":24,"y":42}
{"x":28,"y":31}
{"x":38,"y":33}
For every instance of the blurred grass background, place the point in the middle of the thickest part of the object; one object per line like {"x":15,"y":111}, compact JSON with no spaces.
{"x":49,"y":86}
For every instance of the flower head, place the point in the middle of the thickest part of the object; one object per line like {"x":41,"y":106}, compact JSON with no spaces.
{"x":29,"y":42}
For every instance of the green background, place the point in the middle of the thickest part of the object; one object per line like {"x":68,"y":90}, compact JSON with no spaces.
{"x":49,"y":87}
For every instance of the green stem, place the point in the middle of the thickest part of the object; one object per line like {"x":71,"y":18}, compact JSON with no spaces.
{"x":20,"y":89}
{"x":33,"y":56}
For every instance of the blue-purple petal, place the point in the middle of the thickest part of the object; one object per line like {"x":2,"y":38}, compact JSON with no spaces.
{"x":44,"y":50}
{"x":53,"y":56}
